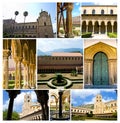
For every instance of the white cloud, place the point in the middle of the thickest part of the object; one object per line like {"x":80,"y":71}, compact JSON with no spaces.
{"x":33,"y":96}
{"x":109,"y":90}
{"x":107,"y":99}
{"x":5,"y":105}
{"x":74,"y":102}
{"x":92,"y":101}
{"x":9,"y":10}
{"x":77,"y":4}
{"x":57,"y":43}
{"x":85,"y":93}
{"x":54,"y":27}
{"x":19,"y":100}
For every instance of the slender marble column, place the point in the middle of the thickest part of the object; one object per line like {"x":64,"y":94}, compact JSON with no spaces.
{"x":6,"y":54}
{"x":18,"y":72}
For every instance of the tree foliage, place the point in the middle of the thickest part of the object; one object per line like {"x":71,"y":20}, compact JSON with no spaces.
{"x":15,"y":115}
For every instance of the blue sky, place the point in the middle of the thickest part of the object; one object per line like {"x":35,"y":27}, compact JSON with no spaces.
{"x":82,"y":97}
{"x":102,"y":2}
{"x":18,"y":102}
{"x":50,"y":44}
{"x":33,"y":11}
{"x":76,"y":9}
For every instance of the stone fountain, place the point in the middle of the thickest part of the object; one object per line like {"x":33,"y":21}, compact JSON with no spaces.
{"x":60,"y":115}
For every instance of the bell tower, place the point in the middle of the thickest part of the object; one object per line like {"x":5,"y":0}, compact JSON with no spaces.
{"x":98,"y":105}
{"x":44,"y":28}
{"x":27,"y":104}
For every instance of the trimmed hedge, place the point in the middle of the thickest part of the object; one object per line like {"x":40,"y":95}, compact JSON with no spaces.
{"x":112,"y":35}
{"x":64,"y":82}
{"x":86,"y":35}
{"x":43,"y":75}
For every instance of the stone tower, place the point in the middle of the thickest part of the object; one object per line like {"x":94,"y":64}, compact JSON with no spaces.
{"x":44,"y":27}
{"x":27,"y":104}
{"x":98,"y":105}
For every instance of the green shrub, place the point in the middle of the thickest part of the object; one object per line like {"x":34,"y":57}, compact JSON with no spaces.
{"x":73,"y":73}
{"x":89,"y":114}
{"x":76,"y":32}
{"x":86,"y":35}
{"x":15,"y":115}
{"x":73,"y":27}
{"x":77,"y":117}
{"x":62,"y":31}
{"x":115,"y":115}
{"x":112,"y":35}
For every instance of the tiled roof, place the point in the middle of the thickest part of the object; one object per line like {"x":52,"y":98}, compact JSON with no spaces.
{"x":66,"y":54}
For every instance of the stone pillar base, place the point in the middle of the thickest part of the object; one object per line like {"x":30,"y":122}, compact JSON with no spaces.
{"x":69,"y":36}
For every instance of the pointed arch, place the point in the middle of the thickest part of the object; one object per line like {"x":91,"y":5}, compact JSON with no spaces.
{"x":16,"y":48}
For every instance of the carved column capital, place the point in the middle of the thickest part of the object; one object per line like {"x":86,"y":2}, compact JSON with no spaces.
{"x":6,"y":53}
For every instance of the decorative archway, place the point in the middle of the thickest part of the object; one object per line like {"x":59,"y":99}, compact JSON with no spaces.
{"x":84,"y":26}
{"x":109,"y":54}
{"x":109,"y":27}
{"x":96,"y":28}
{"x":17,"y":56}
{"x":26,"y":65}
{"x":56,"y":99}
{"x":115,"y":27}
{"x":16,"y":48}
{"x":16,"y":53}
{"x":90,"y":26}
{"x":103,"y":27}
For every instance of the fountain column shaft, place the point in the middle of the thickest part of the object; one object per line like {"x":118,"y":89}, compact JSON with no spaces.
{"x":60,"y":104}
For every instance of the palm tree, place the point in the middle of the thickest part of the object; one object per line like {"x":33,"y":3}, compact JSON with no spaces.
{"x":25,"y":15}
{"x":16,"y":13}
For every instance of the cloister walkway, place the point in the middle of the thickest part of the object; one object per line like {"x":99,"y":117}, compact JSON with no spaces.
{"x":100,"y":36}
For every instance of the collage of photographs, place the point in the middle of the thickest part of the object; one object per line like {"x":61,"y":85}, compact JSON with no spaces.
{"x":60,"y":61}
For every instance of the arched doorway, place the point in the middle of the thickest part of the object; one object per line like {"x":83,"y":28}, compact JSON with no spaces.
{"x":90,"y":26}
{"x":96,"y":27}
{"x":115,"y":27}
{"x":83,"y":26}
{"x":100,"y":69}
{"x":102,"y":28}
{"x":109,"y":27}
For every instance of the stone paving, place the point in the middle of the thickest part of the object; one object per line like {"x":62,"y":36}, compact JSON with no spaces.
{"x":100,"y":36}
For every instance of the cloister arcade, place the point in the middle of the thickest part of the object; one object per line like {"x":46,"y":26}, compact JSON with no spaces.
{"x":23,"y":55}
{"x":99,"y":27}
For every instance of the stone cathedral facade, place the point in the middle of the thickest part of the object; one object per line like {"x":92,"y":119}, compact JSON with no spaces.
{"x":30,"y":110}
{"x":99,"y":107}
{"x":42,"y":28}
